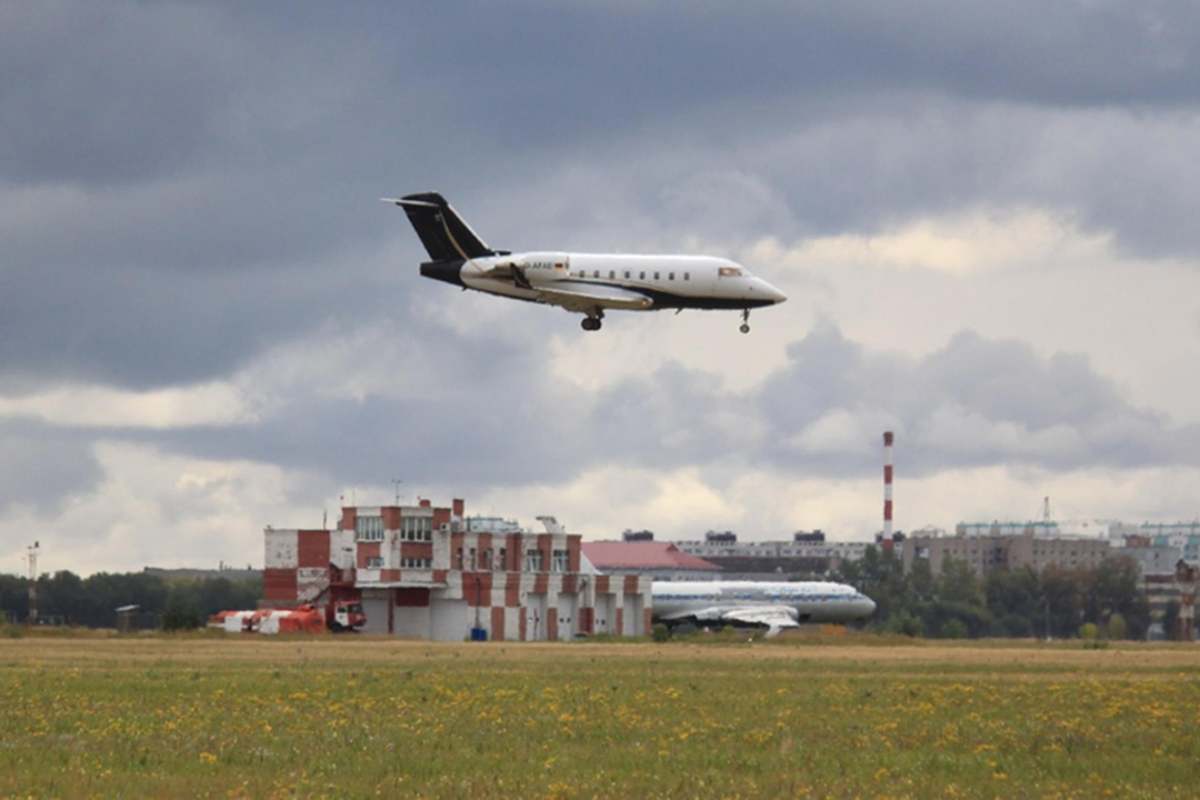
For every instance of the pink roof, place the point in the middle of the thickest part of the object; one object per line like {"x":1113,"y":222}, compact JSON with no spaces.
{"x":643,"y":555}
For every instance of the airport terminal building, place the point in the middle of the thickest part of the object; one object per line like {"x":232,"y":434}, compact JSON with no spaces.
{"x":428,"y":572}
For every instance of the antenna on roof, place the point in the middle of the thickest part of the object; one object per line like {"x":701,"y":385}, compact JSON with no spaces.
{"x":1046,"y":509}
{"x":396,"y":482}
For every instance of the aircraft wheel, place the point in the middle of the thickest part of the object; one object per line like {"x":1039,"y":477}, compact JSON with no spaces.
{"x":745,"y":328}
{"x":590,"y":324}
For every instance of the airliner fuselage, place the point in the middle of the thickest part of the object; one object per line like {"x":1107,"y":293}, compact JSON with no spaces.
{"x":775,"y":605}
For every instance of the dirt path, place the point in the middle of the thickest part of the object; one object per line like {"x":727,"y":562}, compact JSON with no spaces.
{"x":364,"y":651}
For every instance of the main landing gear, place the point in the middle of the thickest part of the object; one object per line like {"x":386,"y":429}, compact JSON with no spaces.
{"x":592,"y":321}
{"x":745,"y":328}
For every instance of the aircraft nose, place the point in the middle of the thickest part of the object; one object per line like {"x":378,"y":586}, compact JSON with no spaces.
{"x":768,"y":291}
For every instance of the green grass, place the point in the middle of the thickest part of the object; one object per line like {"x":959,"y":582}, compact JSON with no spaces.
{"x":351,"y":716}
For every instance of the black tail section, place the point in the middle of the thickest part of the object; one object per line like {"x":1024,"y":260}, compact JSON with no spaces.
{"x":442,"y":231}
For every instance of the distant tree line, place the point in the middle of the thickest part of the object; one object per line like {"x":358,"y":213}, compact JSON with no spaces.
{"x":957,"y":603}
{"x":91,"y":602}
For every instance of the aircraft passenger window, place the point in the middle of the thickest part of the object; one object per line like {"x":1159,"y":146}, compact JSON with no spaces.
{"x":656,"y":276}
{"x":670,"y":276}
{"x":612,"y":275}
{"x":687,"y":276}
{"x":643,"y":276}
{"x":626,"y":274}
{"x":596,"y":273}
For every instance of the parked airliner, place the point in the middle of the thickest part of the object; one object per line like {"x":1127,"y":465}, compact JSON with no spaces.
{"x":773,"y":605}
{"x":584,"y":283}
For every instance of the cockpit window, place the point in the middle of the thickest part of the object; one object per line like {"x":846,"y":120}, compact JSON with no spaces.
{"x":729,"y":272}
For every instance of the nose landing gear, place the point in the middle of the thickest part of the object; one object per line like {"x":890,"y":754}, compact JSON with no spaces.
{"x":745,"y":327}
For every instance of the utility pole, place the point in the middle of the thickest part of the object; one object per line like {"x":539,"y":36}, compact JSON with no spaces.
{"x":32,"y":557}
{"x":396,"y":482}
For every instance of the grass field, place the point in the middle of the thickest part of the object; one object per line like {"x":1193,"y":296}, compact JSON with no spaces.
{"x":352,"y":716}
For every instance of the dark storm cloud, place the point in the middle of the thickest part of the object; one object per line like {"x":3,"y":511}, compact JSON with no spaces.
{"x":43,"y":465}
{"x":975,"y":402}
{"x":185,"y":185}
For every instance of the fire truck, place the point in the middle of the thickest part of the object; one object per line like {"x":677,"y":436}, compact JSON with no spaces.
{"x":335,"y":615}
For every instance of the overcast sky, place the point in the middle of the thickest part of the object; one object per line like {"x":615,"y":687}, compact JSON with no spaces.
{"x":984,"y":215}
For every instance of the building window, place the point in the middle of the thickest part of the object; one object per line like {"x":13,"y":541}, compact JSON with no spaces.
{"x":485,"y":559}
{"x":458,"y":564}
{"x":533,"y":560}
{"x":559,"y":561}
{"x":471,"y":559}
{"x":374,"y":562}
{"x":416,"y":529}
{"x":502,"y":560}
{"x":416,"y":563}
{"x":369,"y":529}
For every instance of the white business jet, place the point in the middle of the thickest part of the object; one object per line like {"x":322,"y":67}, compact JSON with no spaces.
{"x":771,"y":605}
{"x":583,"y":283}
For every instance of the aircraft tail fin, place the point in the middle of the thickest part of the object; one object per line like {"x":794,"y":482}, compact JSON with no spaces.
{"x":442,"y":230}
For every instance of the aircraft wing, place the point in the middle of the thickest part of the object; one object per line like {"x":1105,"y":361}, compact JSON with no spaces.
{"x":774,"y":617}
{"x":584,"y":297}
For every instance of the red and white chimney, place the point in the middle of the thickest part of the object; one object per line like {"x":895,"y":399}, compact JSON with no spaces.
{"x":887,"y":490}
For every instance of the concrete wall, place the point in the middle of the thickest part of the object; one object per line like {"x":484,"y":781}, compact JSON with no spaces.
{"x":281,"y":549}
{"x":635,"y":623}
{"x":412,"y":622}
{"x":375,"y":605}
{"x":606,"y":613}
{"x":568,"y":616}
{"x":451,"y":622}
{"x":535,"y":617}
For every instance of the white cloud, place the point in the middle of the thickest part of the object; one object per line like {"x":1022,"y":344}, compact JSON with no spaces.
{"x":958,"y":244}
{"x":154,"y":508}
{"x":215,"y":403}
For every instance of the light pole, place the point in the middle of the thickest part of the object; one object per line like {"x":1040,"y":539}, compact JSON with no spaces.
{"x":33,"y":557}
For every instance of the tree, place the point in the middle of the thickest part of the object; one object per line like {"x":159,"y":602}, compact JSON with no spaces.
{"x":1013,"y":599}
{"x":14,"y":598}
{"x":958,"y":584}
{"x":1117,"y":628}
{"x":183,"y":610}
{"x":1170,"y":620}
{"x":954,"y":629}
{"x":1060,"y":603}
{"x":921,"y":584}
{"x":1115,"y":588}
{"x":62,"y":595}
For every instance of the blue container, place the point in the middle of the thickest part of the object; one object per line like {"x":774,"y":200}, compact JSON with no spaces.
{"x":478,"y":634}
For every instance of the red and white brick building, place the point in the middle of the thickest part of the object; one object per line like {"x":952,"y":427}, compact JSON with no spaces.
{"x":430,"y":573}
